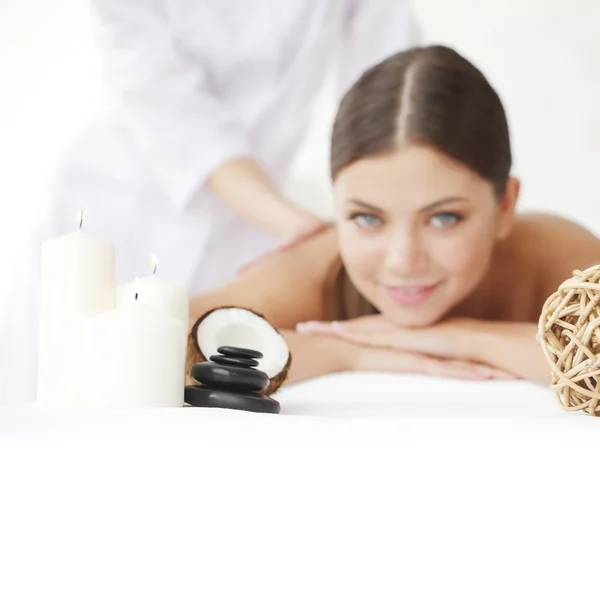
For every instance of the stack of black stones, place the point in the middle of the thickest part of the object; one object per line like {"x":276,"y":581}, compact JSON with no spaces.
{"x":230,"y":379}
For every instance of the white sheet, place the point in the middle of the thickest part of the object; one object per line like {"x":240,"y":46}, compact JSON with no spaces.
{"x":366,"y":486}
{"x":392,"y":396}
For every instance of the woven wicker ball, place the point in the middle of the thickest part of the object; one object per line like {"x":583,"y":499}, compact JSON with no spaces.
{"x":569,"y":331}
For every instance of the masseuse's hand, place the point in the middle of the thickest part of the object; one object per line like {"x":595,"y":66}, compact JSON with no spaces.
{"x":245,"y":186}
{"x":436,"y":350}
{"x":307,"y":229}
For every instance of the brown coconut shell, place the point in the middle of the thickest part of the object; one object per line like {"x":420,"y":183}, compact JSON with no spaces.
{"x":194,"y":354}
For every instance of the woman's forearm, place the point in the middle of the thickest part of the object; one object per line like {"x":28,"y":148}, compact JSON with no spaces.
{"x":315,"y":356}
{"x":512,"y":347}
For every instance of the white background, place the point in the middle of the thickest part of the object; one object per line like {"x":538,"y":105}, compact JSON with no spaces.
{"x":543,"y":59}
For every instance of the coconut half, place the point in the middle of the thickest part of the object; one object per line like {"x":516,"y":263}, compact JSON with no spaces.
{"x":241,"y":327}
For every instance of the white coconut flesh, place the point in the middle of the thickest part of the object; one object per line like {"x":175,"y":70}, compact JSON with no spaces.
{"x":244,"y":329}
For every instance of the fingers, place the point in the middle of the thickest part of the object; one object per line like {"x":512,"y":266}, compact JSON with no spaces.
{"x":454,"y":369}
{"x":317,"y":327}
{"x":376,"y":339}
{"x":504,"y":375}
{"x":346,"y":329}
{"x":464,"y":370}
{"x":367,"y":324}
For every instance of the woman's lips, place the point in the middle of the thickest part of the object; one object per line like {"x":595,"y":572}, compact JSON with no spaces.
{"x":409,"y":295}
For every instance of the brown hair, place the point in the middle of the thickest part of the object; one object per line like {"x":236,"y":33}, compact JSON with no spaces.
{"x":431,"y":96}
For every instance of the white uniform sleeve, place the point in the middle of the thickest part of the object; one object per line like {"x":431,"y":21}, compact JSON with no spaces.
{"x":374,"y":30}
{"x":179,"y":126}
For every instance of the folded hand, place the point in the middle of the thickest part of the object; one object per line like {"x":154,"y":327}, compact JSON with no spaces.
{"x":437,"y":350}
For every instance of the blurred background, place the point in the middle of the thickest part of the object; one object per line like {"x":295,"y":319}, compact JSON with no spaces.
{"x":543,"y":56}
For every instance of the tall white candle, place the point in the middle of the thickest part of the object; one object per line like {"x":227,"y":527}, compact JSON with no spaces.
{"x":77,"y":281}
{"x":132,"y":358}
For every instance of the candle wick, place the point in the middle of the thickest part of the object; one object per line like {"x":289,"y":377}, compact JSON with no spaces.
{"x":80,"y":218}
{"x":136,"y":296}
{"x":154,"y":270}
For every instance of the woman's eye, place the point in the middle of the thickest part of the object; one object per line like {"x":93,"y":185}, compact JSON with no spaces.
{"x":446,"y":219}
{"x":366,"y":220}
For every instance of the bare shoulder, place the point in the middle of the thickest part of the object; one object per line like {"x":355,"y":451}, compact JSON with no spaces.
{"x":556,"y":233}
{"x":548,"y":223}
{"x":287,"y":286}
{"x":555,"y":246}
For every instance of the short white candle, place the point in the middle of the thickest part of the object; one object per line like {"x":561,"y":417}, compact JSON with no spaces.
{"x":160,"y":294}
{"x":132,"y":358}
{"x":77,"y":281}
{"x":156,"y":292}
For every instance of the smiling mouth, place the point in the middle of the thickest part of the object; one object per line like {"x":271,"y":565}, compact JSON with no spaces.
{"x":409,"y":295}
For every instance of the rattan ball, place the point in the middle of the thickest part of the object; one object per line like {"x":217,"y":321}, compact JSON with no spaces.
{"x":569,"y":332}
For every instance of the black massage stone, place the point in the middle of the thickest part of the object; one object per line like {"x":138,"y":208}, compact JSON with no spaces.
{"x":239,"y":352}
{"x":229,"y":380}
{"x":229,"y":361}
{"x":201,"y":396}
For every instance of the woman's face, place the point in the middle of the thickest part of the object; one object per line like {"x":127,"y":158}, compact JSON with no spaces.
{"x":417,"y":230}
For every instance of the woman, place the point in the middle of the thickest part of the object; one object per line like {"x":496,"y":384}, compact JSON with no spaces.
{"x":428,"y":269}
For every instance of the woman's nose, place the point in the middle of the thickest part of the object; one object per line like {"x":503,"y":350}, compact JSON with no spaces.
{"x":406,"y":254}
